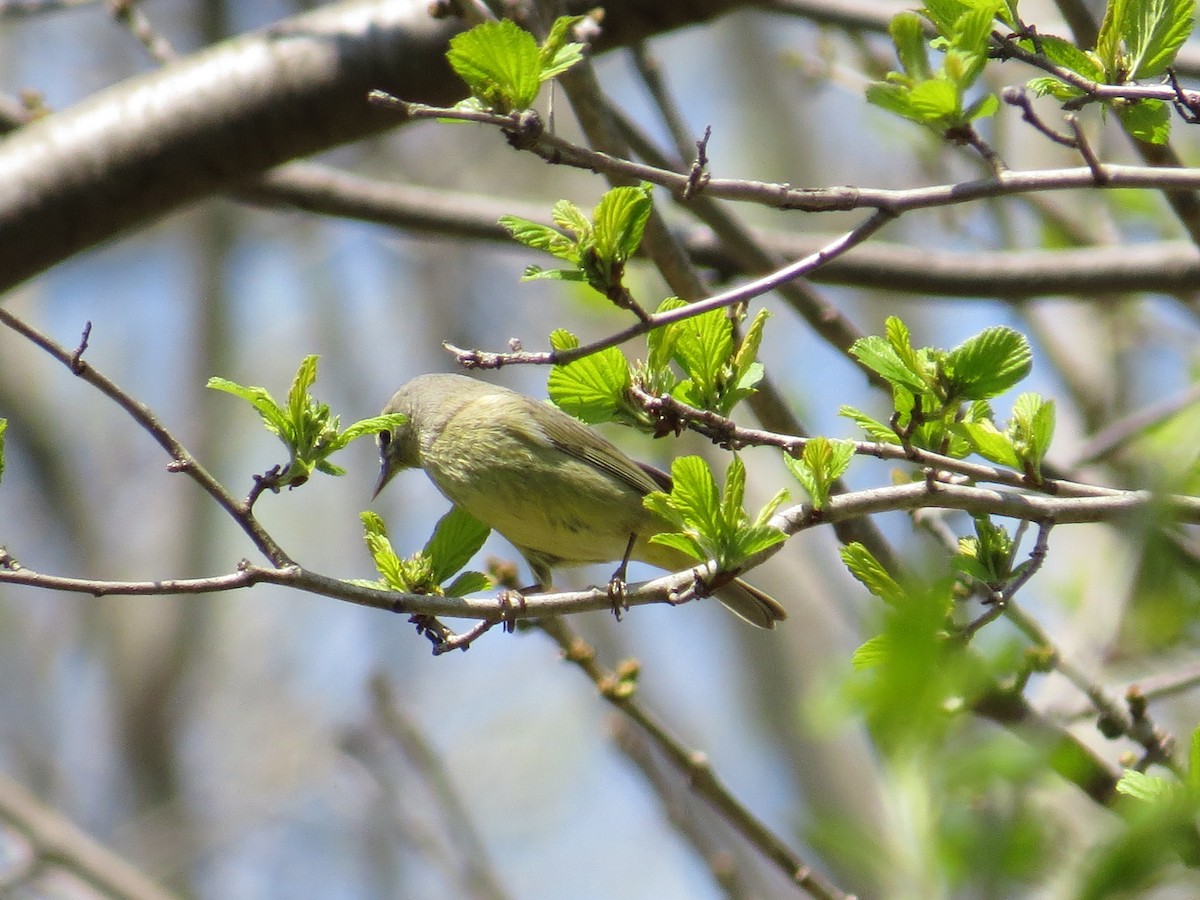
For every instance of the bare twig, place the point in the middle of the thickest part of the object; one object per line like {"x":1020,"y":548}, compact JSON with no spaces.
{"x":741,"y":294}
{"x":57,"y":841}
{"x":693,"y":764}
{"x":181,"y":459}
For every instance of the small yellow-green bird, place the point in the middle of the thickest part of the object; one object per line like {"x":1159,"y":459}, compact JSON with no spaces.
{"x":558,"y":491}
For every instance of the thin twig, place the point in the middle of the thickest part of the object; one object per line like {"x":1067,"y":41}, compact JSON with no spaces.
{"x":1157,"y":743}
{"x":692,"y":764}
{"x":740,"y":294}
{"x":181,"y":459}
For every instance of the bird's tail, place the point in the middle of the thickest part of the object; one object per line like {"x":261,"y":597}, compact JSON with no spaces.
{"x":750,"y":603}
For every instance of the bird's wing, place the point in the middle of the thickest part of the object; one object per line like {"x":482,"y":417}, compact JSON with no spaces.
{"x":578,"y":440}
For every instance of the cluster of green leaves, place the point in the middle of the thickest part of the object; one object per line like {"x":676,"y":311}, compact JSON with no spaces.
{"x":989,"y":557}
{"x":1158,"y":828}
{"x":503,"y":65}
{"x":940,"y":396}
{"x":711,"y":524}
{"x":716,"y":374}
{"x":1138,"y":39}
{"x":913,"y":678}
{"x":938,"y":98}
{"x":597,"y":249}
{"x":307,"y":428}
{"x":969,"y":798}
{"x":821,"y":463}
{"x":456,"y":538}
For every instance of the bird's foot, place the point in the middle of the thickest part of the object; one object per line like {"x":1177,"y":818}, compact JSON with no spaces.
{"x":511,"y":604}
{"x":616,"y":593}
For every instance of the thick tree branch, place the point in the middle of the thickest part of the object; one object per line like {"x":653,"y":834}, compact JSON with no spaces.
{"x":221,"y":117}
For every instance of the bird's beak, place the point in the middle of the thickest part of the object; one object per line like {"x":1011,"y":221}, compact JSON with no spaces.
{"x":384,"y":477}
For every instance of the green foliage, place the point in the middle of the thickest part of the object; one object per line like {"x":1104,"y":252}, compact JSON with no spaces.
{"x":307,"y":428}
{"x":503,"y":65}
{"x":1025,"y":440}
{"x":1159,"y":826}
{"x":819,"y":466}
{"x":712,"y":525}
{"x":988,"y":557}
{"x":593,"y":389}
{"x":456,"y":538}
{"x":717,"y":375}
{"x":871,"y":574}
{"x":937,"y":98}
{"x":940,"y":396}
{"x":597,"y":250}
{"x":1138,"y":40}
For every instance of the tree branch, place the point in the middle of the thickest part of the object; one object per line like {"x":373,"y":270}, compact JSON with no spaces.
{"x":216,"y":119}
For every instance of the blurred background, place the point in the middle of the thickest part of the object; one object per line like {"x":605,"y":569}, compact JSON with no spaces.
{"x":232,"y":746}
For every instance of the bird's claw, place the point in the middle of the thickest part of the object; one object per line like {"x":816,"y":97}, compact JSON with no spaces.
{"x":511,"y":603}
{"x":616,"y":595}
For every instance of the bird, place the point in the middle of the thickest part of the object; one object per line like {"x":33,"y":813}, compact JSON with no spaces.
{"x":561,"y":493}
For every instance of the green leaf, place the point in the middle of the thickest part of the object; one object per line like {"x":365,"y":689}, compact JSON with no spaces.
{"x":500,"y":62}
{"x":1067,"y":55}
{"x":989,"y":363}
{"x":871,"y":653}
{"x":758,"y":538}
{"x":1048,"y":86}
{"x":1110,"y":38}
{"x":540,"y":237}
{"x":620,"y":220}
{"x":1193,"y":772}
{"x":371,"y":426}
{"x":696,"y":496}
{"x":989,"y":442}
{"x":558,"y":54}
{"x":944,"y":14}
{"x":660,"y":342}
{"x":892,"y":97}
{"x":1148,"y":788}
{"x":908,"y":34}
{"x":467,"y":583}
{"x":387,"y":563}
{"x":874,"y":577}
{"x":298,"y":399}
{"x":682,"y":542}
{"x":1157,"y":29}
{"x":703,"y":347}
{"x":744,"y":361}
{"x":1146,"y":120}
{"x":934,"y":100}
{"x":569,"y":217}
{"x":875,"y":430}
{"x":456,"y":538}
{"x":1032,"y":427}
{"x":307,"y":428}
{"x":593,"y":388}
{"x":985,"y":106}
{"x":533,"y":273}
{"x":879,"y":356}
{"x":822,"y":462}
{"x":272,"y":413}
{"x":735,"y":493}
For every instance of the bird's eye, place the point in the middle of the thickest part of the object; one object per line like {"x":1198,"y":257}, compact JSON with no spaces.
{"x":385,"y":438}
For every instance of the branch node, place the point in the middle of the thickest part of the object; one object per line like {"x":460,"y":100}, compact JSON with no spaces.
{"x":699,"y":176}
{"x":77,"y":364}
